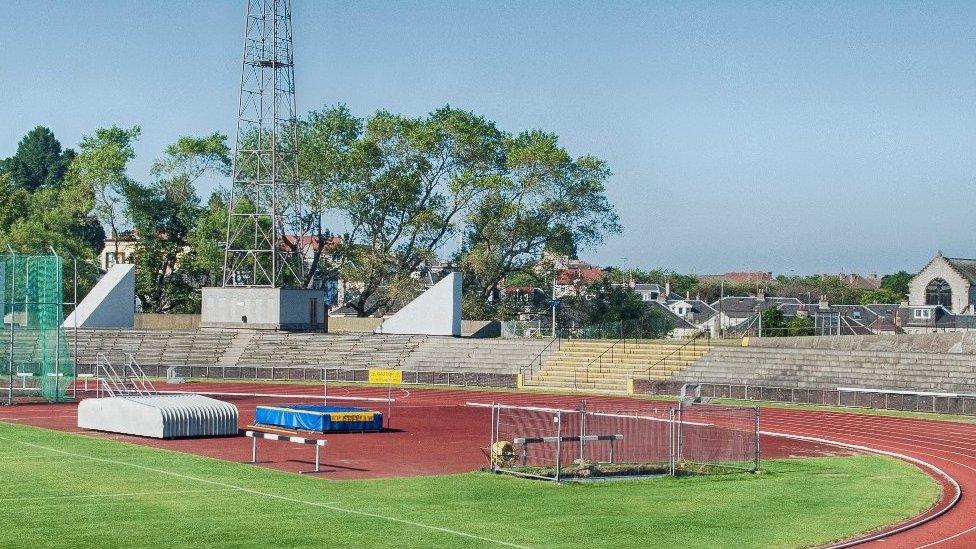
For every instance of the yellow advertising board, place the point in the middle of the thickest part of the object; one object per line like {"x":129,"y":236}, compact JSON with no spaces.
{"x":386,"y":377}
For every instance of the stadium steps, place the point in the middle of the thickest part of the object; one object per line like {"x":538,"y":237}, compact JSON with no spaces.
{"x":829,"y":369}
{"x":602,"y":366}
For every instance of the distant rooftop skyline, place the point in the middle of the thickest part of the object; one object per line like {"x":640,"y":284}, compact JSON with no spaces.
{"x":804,"y":138}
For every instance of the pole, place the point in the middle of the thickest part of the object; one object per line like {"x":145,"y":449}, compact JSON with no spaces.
{"x":57,"y":330}
{"x":553,"y":304}
{"x":491,"y":437}
{"x":582,"y":454}
{"x":671,"y":441}
{"x":389,"y":404}
{"x":317,"y":469}
{"x":757,"y":438}
{"x":13,"y":321}
{"x":254,"y":449}
{"x":559,"y":440}
{"x":74,"y":307}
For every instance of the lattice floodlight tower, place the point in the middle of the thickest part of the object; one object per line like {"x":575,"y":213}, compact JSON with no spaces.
{"x":263,"y":265}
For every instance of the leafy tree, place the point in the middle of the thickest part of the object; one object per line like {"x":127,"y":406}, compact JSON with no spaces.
{"x":165,"y":215}
{"x":414,"y":178}
{"x":799,"y":326}
{"x":55,"y":216}
{"x":772,"y":323}
{"x":101,"y":167}
{"x":881,"y":295}
{"x":897,"y":283}
{"x":544,"y":199}
{"x":609,"y":310}
{"x":38,"y":162}
{"x":204,"y":259}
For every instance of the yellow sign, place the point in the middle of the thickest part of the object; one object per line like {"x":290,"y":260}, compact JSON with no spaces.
{"x":387,"y":377}
{"x":351,"y":416}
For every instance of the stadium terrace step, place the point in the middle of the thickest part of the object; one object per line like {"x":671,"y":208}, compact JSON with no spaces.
{"x":829,"y":369}
{"x":609,"y":365}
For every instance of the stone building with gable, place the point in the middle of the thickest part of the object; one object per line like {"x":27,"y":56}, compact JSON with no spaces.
{"x":949,"y":282}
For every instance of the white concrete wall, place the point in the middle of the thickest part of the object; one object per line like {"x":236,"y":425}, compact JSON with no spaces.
{"x":434,"y":312}
{"x":110,"y":304}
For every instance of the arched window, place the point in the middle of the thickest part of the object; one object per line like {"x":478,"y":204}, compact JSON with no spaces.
{"x":938,"y":292}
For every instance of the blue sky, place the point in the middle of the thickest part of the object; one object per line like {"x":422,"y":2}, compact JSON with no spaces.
{"x":792,"y":137}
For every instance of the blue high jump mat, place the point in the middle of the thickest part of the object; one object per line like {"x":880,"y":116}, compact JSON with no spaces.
{"x":319,"y":418}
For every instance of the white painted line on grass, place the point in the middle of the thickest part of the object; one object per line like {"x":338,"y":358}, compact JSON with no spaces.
{"x":329,"y":506}
{"x":120,"y":495}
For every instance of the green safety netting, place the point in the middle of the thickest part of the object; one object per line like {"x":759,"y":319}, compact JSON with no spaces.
{"x":36,"y":357}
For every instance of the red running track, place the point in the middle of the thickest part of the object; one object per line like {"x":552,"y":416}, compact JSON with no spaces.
{"x":434,"y":433}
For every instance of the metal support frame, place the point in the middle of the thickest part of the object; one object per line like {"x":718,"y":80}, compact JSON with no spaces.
{"x":266,"y":155}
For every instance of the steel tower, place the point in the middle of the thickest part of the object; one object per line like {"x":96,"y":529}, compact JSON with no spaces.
{"x":265,"y":173}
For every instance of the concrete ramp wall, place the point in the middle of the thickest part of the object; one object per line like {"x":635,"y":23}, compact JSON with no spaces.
{"x":110,"y":304}
{"x":434,"y":312}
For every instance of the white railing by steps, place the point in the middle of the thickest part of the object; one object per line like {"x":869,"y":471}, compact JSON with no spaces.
{"x":131,"y":381}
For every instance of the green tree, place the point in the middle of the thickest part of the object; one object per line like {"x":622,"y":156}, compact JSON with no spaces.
{"x":38,"y":162}
{"x":772,"y":323}
{"x":101,"y":166}
{"x":897,"y":283}
{"x":165,"y":215}
{"x":204,"y":259}
{"x":544,"y":199}
{"x":413,"y":179}
{"x":608,"y":310}
{"x":881,"y":295}
{"x":799,"y":326}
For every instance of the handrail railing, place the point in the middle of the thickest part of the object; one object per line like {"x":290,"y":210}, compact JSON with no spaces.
{"x":539,"y":358}
{"x":132,"y":381}
{"x":664,"y":360}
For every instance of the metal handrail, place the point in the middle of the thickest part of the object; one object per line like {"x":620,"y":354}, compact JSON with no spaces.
{"x":539,"y":357}
{"x":664,"y":359}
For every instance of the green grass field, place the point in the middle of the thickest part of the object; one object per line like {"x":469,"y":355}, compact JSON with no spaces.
{"x":61,"y":490}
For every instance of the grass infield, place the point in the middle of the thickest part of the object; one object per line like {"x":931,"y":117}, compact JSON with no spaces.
{"x":61,"y":490}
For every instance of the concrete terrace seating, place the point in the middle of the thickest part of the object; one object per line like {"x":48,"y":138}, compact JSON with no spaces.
{"x":450,"y":354}
{"x":151,"y":347}
{"x":348,"y":351}
{"x":593,"y":365}
{"x":829,"y":369}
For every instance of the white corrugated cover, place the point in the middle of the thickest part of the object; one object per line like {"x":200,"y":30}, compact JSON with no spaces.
{"x":159,"y":416}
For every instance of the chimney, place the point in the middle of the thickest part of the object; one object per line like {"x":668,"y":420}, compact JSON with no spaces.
{"x":688,"y":294}
{"x":667,"y":289}
{"x":824,"y":304}
{"x":761,"y":293}
{"x":898,"y":318}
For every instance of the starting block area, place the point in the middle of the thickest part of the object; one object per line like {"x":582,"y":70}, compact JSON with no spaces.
{"x":319,"y":418}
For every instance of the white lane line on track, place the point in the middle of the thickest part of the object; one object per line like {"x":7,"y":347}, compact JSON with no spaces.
{"x":956,"y":497}
{"x":325,"y":505}
{"x":120,"y":495}
{"x":896,"y":439}
{"x":965,"y":437}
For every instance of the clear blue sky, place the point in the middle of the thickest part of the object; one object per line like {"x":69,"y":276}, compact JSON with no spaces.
{"x":790,"y":137}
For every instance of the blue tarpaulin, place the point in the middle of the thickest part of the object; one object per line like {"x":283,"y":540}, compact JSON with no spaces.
{"x":319,"y":418}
